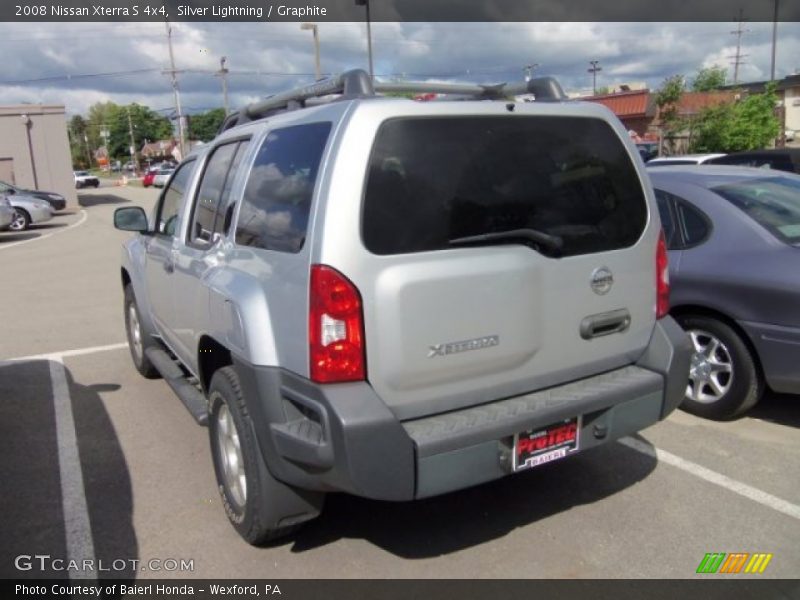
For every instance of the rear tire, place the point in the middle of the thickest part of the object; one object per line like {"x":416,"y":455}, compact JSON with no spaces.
{"x":139,"y":339}
{"x":259,"y":507}
{"x":724,"y":379}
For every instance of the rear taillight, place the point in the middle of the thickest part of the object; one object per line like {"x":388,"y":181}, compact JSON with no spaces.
{"x":335,"y":328}
{"x":662,"y":278}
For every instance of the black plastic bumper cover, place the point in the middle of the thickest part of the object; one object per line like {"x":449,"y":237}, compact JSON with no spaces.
{"x":342,"y":437}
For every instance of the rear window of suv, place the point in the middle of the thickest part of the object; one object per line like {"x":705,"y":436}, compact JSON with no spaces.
{"x":436,"y":179}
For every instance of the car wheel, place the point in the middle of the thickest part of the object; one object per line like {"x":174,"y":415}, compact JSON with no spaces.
{"x":21,"y":221}
{"x":724,"y":379}
{"x":138,"y":338}
{"x":96,"y":184}
{"x":259,"y":507}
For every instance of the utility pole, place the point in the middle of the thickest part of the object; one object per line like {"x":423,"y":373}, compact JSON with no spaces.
{"x":737,"y":59}
{"x":365,"y":3}
{"x":223,"y":75}
{"x":315,"y":31}
{"x":774,"y":41}
{"x":529,"y":70}
{"x":173,"y":74}
{"x":133,"y":144}
{"x":88,"y":152}
{"x":593,"y":70}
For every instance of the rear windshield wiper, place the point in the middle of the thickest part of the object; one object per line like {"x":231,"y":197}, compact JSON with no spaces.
{"x":538,"y":240}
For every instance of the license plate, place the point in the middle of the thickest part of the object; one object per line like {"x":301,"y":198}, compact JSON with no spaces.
{"x":539,"y":446}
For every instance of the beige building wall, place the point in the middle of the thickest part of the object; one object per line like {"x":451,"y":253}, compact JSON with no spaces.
{"x":47,"y":151}
{"x":792,"y":104}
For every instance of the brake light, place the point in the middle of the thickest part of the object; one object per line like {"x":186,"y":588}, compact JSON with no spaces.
{"x":335,"y":328}
{"x":662,"y":278}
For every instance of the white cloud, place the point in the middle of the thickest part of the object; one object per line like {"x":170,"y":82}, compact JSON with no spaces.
{"x":266,"y":57}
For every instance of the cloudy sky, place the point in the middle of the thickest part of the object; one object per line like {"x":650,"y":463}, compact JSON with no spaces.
{"x":83,"y":63}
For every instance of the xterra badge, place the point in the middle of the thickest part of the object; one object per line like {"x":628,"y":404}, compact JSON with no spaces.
{"x":456,"y":347}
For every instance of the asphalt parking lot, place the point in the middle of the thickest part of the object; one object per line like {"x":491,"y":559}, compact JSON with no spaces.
{"x":98,"y":463}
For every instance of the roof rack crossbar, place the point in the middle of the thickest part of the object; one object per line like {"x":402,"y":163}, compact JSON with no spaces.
{"x":543,"y":88}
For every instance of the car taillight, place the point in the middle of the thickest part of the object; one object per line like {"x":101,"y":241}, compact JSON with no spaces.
{"x":335,"y":328}
{"x":662,"y":278}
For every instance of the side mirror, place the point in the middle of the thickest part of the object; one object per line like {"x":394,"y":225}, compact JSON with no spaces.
{"x":131,"y":218}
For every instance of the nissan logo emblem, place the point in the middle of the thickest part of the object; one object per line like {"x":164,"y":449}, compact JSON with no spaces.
{"x":602,"y":280}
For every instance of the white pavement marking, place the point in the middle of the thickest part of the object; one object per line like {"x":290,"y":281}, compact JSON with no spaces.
{"x":737,"y":487}
{"x":84,"y":216}
{"x":64,"y":354}
{"x":77,"y":527}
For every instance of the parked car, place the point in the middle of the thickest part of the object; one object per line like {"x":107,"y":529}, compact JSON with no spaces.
{"x":85,"y":179}
{"x":684,"y":159}
{"x":28,"y":210}
{"x":149,"y":176}
{"x":6,"y":212}
{"x":733,"y":236}
{"x":647,"y":150}
{"x":162,"y":176}
{"x":789,"y":135}
{"x":399,"y":299}
{"x":781,"y":159}
{"x":57,"y":201}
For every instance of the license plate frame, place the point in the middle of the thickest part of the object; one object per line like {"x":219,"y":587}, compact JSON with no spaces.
{"x":546,"y":444}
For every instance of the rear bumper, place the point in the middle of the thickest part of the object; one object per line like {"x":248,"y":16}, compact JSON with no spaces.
{"x":779,"y":353}
{"x":342,"y":437}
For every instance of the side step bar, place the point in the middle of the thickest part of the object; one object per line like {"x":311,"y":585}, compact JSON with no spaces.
{"x":192,"y":398}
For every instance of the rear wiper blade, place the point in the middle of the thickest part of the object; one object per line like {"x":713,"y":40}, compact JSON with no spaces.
{"x":537,"y":239}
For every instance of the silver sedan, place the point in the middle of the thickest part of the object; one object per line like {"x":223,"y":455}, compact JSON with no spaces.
{"x":29,"y":210}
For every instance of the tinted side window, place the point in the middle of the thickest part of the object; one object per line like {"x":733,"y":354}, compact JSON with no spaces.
{"x":214,"y":186}
{"x":694,"y":224}
{"x":277,"y":198}
{"x":433,"y":180}
{"x":171,"y":199}
{"x":667,"y":222}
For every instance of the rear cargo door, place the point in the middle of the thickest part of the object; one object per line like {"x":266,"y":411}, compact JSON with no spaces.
{"x":505,"y":254}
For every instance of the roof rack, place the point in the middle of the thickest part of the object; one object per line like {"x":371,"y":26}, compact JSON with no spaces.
{"x":357,"y":84}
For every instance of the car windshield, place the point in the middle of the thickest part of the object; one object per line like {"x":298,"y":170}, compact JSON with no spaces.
{"x":165,"y":171}
{"x":81,"y":173}
{"x":773,"y":202}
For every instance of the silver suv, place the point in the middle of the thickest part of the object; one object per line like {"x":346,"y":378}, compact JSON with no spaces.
{"x":398,"y":299}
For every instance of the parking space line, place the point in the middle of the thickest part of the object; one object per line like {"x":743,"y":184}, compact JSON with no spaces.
{"x":84,"y":216}
{"x":749,"y":492}
{"x":77,"y":527}
{"x":65,"y":353}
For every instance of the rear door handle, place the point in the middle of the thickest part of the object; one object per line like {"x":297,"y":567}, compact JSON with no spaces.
{"x":615,"y":321}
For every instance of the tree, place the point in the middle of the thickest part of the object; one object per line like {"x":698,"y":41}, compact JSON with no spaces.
{"x":77,"y":144}
{"x":204,"y":126}
{"x":110,"y":117}
{"x":709,"y":79}
{"x":668,"y":98}
{"x":745,"y":125}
